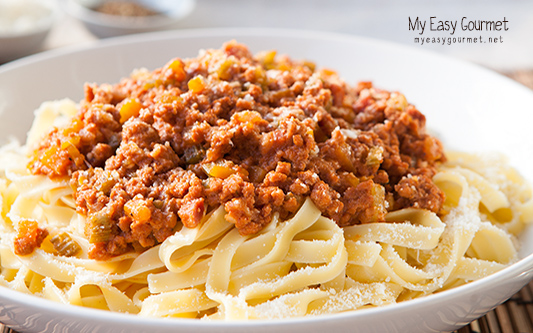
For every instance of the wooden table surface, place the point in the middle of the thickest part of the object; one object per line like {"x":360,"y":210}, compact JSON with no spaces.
{"x":515,"y":315}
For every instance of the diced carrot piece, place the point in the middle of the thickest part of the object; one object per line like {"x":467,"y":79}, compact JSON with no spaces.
{"x":74,"y":127}
{"x":218,"y":171}
{"x":177,"y":67}
{"x":131,"y":108}
{"x":196,"y":84}
{"x":47,"y":158}
{"x":137,"y":210}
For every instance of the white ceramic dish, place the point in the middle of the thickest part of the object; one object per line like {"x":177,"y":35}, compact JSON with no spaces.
{"x":469,"y":108}
{"x":105,"y":25}
{"x":28,"y":31}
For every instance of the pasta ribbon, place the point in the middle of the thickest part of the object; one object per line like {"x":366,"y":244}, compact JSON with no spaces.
{"x":305,"y":265}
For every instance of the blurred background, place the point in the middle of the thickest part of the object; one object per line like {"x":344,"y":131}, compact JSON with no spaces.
{"x":382,"y":19}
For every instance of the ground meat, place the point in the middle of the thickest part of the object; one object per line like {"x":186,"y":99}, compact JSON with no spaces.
{"x":255,"y":134}
{"x":418,"y":191}
{"x":29,"y":237}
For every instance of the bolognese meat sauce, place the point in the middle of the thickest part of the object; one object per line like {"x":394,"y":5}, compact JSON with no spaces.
{"x":256,"y":134}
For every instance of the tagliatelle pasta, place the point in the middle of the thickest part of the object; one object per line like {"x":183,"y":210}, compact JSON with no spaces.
{"x":306,"y":265}
{"x":300,"y":263}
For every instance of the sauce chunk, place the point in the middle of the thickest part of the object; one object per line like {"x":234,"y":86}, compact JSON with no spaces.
{"x":256,"y":134}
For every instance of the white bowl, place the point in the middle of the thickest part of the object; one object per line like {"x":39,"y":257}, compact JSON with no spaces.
{"x":470,"y":107}
{"x":170,"y":12}
{"x":27,"y":39}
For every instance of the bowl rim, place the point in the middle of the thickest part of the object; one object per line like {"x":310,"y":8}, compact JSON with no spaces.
{"x":411,"y":305}
{"x":523,"y":267}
